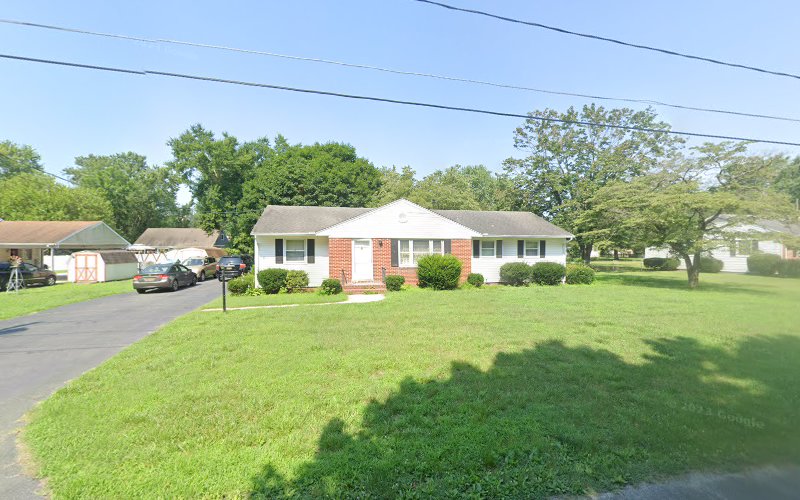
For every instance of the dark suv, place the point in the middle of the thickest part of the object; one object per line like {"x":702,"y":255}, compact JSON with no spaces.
{"x":232,"y":266}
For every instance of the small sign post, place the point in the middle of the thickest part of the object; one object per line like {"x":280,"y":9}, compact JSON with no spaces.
{"x":224,"y":301}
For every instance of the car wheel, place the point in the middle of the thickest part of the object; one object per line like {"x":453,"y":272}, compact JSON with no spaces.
{"x":202,"y":276}
{"x":175,"y":286}
{"x":194,"y":281}
{"x":51,"y":280}
{"x":140,"y":290}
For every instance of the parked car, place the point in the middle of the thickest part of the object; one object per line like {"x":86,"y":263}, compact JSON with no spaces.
{"x":202,"y":267}
{"x":164,"y":276}
{"x":232,"y":266}
{"x":31,"y":275}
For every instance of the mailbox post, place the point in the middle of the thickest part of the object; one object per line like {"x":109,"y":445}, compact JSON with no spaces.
{"x":224,"y":301}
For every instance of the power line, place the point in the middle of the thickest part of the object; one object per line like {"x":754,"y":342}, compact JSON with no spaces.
{"x":398,"y":72}
{"x":611,"y":40}
{"x":37,"y":169}
{"x":396,"y":101}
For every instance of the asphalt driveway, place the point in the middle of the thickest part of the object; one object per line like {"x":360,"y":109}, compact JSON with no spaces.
{"x":40,"y":352}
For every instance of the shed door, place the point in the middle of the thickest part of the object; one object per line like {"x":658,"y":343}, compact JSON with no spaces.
{"x":85,"y":268}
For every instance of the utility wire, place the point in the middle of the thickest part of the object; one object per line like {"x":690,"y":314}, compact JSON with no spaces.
{"x":41,"y":170}
{"x":397,"y":71}
{"x":397,"y":101}
{"x":611,"y":40}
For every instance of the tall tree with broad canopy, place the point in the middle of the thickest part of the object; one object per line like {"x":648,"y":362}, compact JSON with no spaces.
{"x":471,"y":187}
{"x":692,"y":205}
{"x":140,"y":196}
{"x":566,"y":164}
{"x":36,"y":196}
{"x":17,"y":159}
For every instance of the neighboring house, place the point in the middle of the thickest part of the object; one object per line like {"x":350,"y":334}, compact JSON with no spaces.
{"x":168,"y":244}
{"x":51,"y":243}
{"x":733,"y":253}
{"x":362,"y":245}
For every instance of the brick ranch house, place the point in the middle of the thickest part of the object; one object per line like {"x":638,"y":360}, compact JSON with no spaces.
{"x":360,"y":246}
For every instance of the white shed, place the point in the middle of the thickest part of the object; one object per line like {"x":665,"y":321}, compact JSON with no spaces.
{"x":91,"y":266}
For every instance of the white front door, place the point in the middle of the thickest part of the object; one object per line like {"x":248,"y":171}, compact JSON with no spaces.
{"x":362,"y":260}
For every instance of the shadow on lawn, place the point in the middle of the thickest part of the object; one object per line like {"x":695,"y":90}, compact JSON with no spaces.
{"x":670,"y":280}
{"x":560,"y":420}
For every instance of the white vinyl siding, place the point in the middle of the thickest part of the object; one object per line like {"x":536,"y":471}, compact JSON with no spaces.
{"x":731,"y":263}
{"x":317,"y":271}
{"x":412,"y":250}
{"x":489,"y":267}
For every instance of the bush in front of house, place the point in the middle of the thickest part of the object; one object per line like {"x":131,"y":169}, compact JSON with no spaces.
{"x":272,"y":280}
{"x":240,"y":285}
{"x":330,"y":286}
{"x":476,"y":279}
{"x":661,"y":263}
{"x":789,"y":268}
{"x":579,"y":274}
{"x":547,"y":273}
{"x":296,"y":280}
{"x":394,"y":282}
{"x":763,"y":264}
{"x":440,"y":272}
{"x":710,"y":265}
{"x":515,"y":273}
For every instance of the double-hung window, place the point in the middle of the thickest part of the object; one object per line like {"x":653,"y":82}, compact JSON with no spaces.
{"x":487,"y":248}
{"x":531,"y":248}
{"x":295,"y":250}
{"x":412,"y":250}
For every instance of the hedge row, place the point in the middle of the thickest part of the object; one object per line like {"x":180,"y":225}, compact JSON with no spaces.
{"x":542,"y":273}
{"x":765,"y":264}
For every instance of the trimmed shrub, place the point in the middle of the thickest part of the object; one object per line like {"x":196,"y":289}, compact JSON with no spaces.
{"x":515,"y":273}
{"x":661,"y":263}
{"x":440,"y":272}
{"x":789,"y":268}
{"x":272,"y":280}
{"x":547,"y":273}
{"x":296,"y":280}
{"x":763,"y":264}
{"x":241,"y":284}
{"x":476,"y":279}
{"x":394,"y":283}
{"x":710,"y":265}
{"x":579,"y":274}
{"x":330,"y":286}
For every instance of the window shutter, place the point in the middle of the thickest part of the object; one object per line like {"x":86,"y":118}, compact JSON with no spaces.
{"x":755,"y":246}
{"x":278,"y":251}
{"x":310,"y":251}
{"x":395,"y":253}
{"x":499,"y":249}
{"x":732,"y":249}
{"x":476,"y":249}
{"x":448,"y":246}
{"x":542,"y":248}
{"x":520,"y":248}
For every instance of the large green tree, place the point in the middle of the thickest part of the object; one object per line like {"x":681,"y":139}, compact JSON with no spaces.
{"x":471,"y":187}
{"x":36,"y":196}
{"x":693,"y":204}
{"x":140,"y":196}
{"x":18,"y":158}
{"x":788,"y":179}
{"x":566,"y":163}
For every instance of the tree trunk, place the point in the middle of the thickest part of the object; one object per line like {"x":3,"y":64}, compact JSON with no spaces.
{"x":616,"y":254}
{"x":586,"y":252}
{"x":692,"y":270}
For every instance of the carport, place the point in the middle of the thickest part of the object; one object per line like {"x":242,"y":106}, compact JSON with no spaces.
{"x":38,"y":242}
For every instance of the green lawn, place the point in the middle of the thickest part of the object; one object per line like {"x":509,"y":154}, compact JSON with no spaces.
{"x":495,"y":392}
{"x":621,"y":265}
{"x":276,"y":300}
{"x":39,"y":298}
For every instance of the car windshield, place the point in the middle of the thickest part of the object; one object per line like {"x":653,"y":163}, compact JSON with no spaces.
{"x":156,"y":269}
{"x":193,"y":262}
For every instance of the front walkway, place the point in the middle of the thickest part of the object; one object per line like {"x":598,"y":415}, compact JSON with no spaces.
{"x":351,"y":299}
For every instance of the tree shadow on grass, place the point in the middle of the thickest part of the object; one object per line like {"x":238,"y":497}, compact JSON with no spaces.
{"x":563,"y":420}
{"x":659,"y":280}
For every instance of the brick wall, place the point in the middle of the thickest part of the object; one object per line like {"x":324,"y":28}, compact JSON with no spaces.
{"x":340,"y":252}
{"x":382,"y":258}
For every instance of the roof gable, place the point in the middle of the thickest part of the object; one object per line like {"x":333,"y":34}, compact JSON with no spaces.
{"x":280,"y":219}
{"x":64,"y":234}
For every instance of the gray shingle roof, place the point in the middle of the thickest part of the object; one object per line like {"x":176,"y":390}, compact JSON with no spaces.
{"x":181,"y":237}
{"x":277,"y":219}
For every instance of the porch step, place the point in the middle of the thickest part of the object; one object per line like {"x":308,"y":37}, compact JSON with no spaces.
{"x":364,"y":286}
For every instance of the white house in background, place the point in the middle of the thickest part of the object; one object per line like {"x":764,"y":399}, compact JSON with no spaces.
{"x":734,"y":254}
{"x":363,"y":245}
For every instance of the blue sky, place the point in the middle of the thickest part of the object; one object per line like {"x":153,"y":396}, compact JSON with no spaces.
{"x":66,"y":112}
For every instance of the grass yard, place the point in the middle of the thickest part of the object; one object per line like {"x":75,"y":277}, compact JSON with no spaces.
{"x":39,"y":298}
{"x":621,"y":265}
{"x":276,"y":300}
{"x":496,"y":392}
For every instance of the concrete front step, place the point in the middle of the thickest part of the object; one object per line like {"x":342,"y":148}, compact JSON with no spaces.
{"x":361,"y":287}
